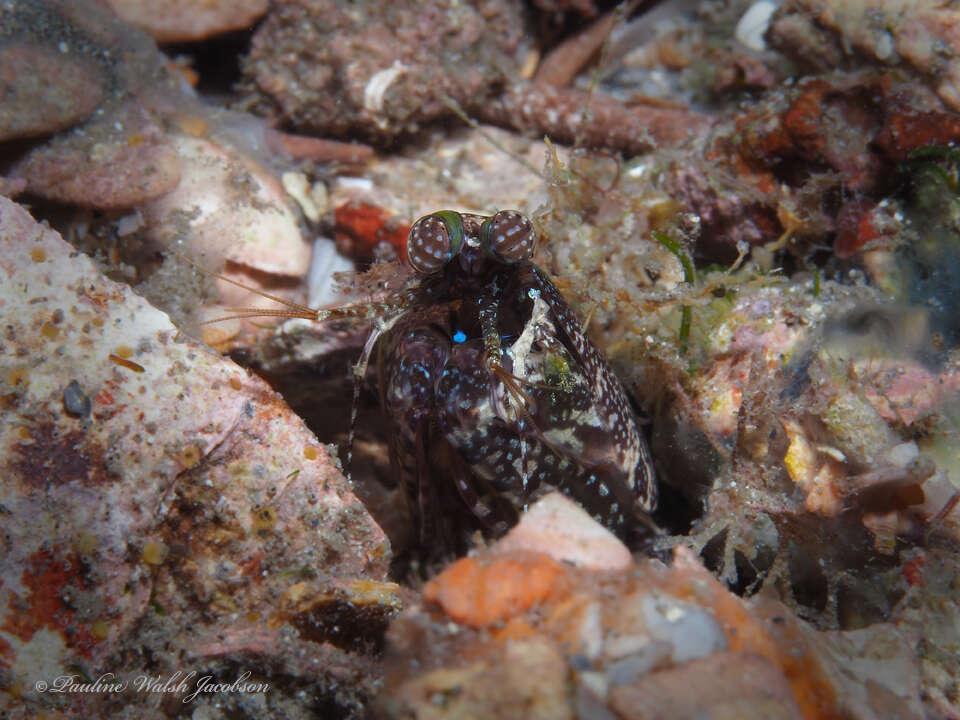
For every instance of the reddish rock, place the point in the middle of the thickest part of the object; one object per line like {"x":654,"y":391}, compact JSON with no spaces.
{"x":116,"y":163}
{"x":919,"y":35}
{"x":725,"y":685}
{"x":857,"y":124}
{"x":907,"y":127}
{"x":170,"y":21}
{"x":827,"y":122}
{"x":43,"y":91}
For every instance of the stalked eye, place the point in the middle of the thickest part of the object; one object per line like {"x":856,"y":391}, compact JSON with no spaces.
{"x":433,"y":240}
{"x":508,"y":235}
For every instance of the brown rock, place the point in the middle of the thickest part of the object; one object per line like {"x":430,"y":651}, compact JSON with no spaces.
{"x":379,"y":69}
{"x":11,"y":187}
{"x":721,"y":687}
{"x":352,"y":614}
{"x":586,"y":8}
{"x":114,"y":163}
{"x":528,"y":683}
{"x":559,"y":113}
{"x":42,"y":91}
{"x":188,"y":20}
{"x":872,"y":673}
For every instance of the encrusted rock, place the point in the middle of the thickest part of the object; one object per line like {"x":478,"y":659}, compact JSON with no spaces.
{"x":381,"y":69}
{"x":158,"y":500}
{"x":645,"y":641}
{"x":919,"y":33}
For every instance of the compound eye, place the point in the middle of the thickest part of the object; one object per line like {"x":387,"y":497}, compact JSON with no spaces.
{"x":509,"y":236}
{"x":433,"y":240}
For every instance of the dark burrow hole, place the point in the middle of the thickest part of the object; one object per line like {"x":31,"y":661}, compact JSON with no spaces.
{"x":712,"y":553}
{"x":216,"y":61}
{"x":749,"y":573}
{"x":807,"y":582}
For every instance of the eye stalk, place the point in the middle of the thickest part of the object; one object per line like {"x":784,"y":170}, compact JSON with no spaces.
{"x":433,"y":240}
{"x":508,"y":236}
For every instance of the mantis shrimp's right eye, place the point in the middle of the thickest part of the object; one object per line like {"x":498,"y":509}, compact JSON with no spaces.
{"x":509,"y":236}
{"x":433,"y":240}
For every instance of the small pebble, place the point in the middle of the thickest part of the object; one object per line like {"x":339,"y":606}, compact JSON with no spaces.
{"x":75,"y":402}
{"x":655,"y":654}
{"x":693,"y":632}
{"x":591,"y":697}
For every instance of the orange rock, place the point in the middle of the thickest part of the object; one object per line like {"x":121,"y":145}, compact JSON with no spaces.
{"x":360,"y":227}
{"x":747,"y":632}
{"x":725,"y":685}
{"x":482,"y":592}
{"x":516,"y":629}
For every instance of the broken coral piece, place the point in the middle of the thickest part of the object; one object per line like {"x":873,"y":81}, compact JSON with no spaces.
{"x":229,"y":208}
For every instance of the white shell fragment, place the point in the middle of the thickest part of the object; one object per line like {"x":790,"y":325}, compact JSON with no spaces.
{"x":298,"y":186}
{"x":378,"y":85}
{"x":753,"y":25}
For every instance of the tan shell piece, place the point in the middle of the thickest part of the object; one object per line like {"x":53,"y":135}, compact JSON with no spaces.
{"x":227,"y":207}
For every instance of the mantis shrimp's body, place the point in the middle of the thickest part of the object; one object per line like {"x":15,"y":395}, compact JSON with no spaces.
{"x":493,"y":392}
{"x":492,"y":387}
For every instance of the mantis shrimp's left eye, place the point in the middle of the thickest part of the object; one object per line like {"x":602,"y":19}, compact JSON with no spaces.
{"x":509,"y":236}
{"x":433,"y":240}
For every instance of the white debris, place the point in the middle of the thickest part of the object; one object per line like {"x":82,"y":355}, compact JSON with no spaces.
{"x":754,"y":23}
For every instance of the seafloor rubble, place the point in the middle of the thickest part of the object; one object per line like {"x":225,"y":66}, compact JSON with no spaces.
{"x":754,"y":209}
